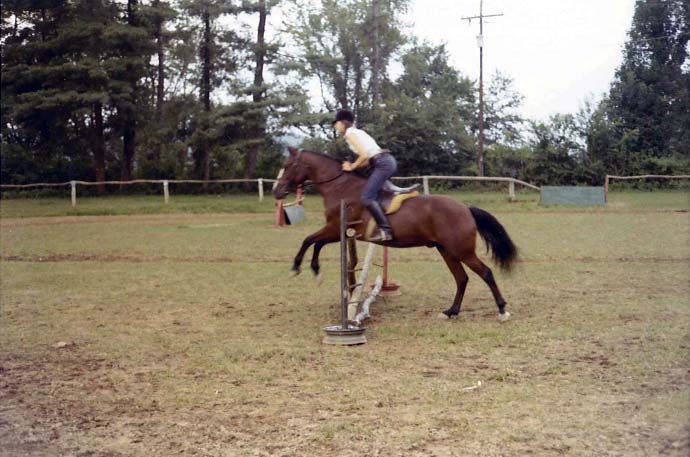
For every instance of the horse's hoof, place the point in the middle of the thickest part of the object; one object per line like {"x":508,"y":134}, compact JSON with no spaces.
{"x":443,"y":317}
{"x":505,"y":317}
{"x":294,"y":273}
{"x":319,"y":279}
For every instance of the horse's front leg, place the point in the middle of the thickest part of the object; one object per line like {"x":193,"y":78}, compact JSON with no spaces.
{"x":318,"y":238}
{"x":331,"y":235}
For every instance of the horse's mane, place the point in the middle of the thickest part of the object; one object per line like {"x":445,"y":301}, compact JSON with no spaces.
{"x":323,"y":154}
{"x":359,"y":172}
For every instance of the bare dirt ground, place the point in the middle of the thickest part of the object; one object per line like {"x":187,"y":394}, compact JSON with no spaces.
{"x":186,"y":337}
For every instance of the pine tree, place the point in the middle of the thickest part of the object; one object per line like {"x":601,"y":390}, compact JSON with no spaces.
{"x":54,"y":86}
{"x":649,"y":100}
{"x":132,"y":46}
{"x":213,"y":61}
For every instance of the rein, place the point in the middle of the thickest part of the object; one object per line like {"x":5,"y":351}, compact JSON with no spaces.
{"x":312,"y":183}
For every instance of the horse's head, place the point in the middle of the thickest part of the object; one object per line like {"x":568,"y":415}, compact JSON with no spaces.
{"x":292,"y":175}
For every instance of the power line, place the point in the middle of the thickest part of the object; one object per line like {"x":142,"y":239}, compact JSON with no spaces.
{"x":480,"y":43}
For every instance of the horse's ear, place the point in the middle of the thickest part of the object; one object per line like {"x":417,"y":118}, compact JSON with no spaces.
{"x":293,"y":151}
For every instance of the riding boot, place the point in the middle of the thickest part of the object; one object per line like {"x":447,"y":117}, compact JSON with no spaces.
{"x":386,"y":233}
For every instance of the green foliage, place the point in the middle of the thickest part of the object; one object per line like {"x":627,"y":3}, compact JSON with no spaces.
{"x":648,"y":107}
{"x":502,"y":123}
{"x":425,"y":119}
{"x":96,"y":89}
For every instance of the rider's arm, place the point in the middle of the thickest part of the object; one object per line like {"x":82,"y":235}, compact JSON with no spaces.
{"x":362,"y":156}
{"x":361,"y":161}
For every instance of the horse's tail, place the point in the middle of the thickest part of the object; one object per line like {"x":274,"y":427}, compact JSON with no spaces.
{"x":504,"y":252}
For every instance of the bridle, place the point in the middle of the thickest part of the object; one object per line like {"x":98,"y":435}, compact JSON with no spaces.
{"x":316,"y":183}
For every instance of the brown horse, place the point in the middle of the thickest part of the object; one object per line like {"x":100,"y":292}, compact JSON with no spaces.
{"x":431,"y":221}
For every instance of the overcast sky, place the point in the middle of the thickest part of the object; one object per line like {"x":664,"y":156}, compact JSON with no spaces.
{"x":557,"y":51}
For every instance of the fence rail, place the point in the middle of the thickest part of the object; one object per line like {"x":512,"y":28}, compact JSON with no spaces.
{"x":510,"y":181}
{"x":260,"y":183}
{"x":135,"y":181}
{"x":628,"y":178}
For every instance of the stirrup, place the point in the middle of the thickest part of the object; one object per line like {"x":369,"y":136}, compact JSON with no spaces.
{"x":383,"y":235}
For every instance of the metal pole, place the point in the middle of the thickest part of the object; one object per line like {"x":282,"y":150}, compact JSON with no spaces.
{"x":343,"y":265}
{"x":261,"y":189}
{"x":73,"y":184}
{"x":385,"y":266}
{"x":166,"y":192}
{"x":480,"y":154}
{"x":425,"y":179}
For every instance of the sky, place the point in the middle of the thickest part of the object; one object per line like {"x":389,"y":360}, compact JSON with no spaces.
{"x":558,"y":52}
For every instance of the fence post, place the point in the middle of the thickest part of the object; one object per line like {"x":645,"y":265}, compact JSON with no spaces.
{"x":261,"y":189}
{"x":606,"y":189}
{"x":73,"y":184}
{"x":425,"y":179}
{"x":511,"y":190}
{"x":166,"y":193}
{"x":280,"y":214}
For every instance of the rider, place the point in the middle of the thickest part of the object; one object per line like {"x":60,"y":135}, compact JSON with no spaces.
{"x":384,"y":166}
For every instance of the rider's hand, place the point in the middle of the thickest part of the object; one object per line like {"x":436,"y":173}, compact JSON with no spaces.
{"x":347,"y":166}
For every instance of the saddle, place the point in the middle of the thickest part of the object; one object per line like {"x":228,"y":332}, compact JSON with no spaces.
{"x":391,"y":196}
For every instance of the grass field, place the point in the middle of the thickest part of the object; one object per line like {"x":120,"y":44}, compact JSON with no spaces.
{"x":186,"y":336}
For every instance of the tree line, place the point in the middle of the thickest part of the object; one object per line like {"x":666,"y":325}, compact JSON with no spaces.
{"x":116,"y":90}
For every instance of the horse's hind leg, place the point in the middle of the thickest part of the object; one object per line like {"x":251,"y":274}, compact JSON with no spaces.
{"x":486,"y":274}
{"x":351,"y":264}
{"x":461,"y":280}
{"x":315,"y":266}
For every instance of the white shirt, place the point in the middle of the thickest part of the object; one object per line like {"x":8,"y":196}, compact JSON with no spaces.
{"x":357,"y":139}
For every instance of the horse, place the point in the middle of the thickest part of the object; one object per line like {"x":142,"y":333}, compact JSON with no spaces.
{"x":433,"y":221}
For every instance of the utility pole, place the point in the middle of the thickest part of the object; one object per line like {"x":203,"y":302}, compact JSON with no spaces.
{"x":480,"y":43}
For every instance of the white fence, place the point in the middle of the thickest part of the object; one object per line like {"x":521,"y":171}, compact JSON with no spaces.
{"x":260,"y":184}
{"x":610,"y":178}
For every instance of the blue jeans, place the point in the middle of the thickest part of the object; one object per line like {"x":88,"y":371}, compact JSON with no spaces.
{"x":384,"y":167}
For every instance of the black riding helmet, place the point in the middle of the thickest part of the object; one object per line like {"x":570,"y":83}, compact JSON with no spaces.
{"x":343,"y":115}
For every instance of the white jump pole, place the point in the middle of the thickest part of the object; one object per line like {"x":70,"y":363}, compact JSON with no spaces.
{"x":371,"y":296}
{"x":361,"y":282}
{"x":261,"y":189}
{"x":166,"y":192}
